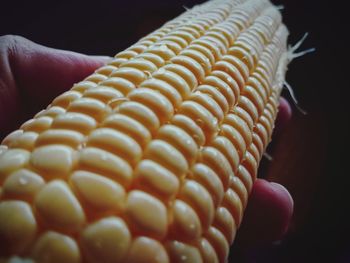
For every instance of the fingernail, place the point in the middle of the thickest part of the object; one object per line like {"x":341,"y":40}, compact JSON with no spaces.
{"x":105,"y":59}
{"x":283,"y":189}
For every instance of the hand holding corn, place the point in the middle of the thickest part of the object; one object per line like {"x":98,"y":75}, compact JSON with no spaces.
{"x":151,"y":158}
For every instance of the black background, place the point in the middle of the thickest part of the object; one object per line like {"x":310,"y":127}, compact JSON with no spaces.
{"x":311,"y":157}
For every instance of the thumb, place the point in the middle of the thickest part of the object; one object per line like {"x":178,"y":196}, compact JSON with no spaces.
{"x":33,"y":75}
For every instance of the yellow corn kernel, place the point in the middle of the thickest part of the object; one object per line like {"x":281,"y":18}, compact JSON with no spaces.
{"x":152,"y":157}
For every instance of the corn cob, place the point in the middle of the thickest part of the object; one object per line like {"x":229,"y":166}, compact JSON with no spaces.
{"x":152,"y":157}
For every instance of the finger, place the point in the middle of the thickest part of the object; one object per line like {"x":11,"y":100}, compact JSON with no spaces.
{"x":284,"y":115}
{"x":267,"y":215}
{"x":32,"y":75}
{"x":43,"y":73}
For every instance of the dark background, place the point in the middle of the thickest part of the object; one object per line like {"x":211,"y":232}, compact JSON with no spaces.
{"x":311,"y":156}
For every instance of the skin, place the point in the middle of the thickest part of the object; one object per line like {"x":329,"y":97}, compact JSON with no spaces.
{"x":31,"y":76}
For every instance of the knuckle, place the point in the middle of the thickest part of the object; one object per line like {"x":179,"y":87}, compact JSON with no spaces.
{"x":11,"y":43}
{"x":11,"y":39}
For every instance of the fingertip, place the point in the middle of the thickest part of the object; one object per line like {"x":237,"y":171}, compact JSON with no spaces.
{"x":286,"y":205}
{"x":102,"y":59}
{"x":80,"y":65}
{"x":276,"y":200}
{"x":268,"y":214}
{"x":284,"y":113}
{"x":285,"y":106}
{"x":283,"y":192}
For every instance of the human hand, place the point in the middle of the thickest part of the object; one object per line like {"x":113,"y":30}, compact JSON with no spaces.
{"x":32,"y":75}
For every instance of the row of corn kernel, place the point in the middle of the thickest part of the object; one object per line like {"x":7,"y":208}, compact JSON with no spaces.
{"x":199,"y":195}
{"x":232,"y":202}
{"x":153,"y":152}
